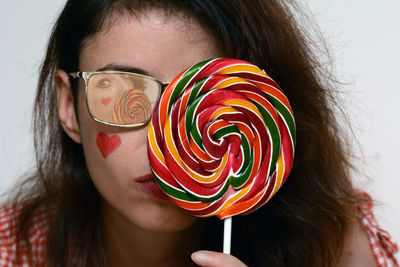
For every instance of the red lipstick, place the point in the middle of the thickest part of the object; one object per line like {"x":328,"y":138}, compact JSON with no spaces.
{"x":148,"y":183}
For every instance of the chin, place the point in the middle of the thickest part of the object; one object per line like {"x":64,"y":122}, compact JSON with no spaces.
{"x":165,"y":219}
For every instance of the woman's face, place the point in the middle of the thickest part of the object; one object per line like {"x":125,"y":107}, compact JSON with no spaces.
{"x":162,"y":46}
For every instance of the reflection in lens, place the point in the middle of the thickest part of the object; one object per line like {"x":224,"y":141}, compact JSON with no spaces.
{"x":131,"y":107}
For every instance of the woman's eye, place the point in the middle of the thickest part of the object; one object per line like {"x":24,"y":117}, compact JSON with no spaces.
{"x":104,"y":83}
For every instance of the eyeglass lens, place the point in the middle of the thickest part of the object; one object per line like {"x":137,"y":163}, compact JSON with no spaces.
{"x":122,"y":98}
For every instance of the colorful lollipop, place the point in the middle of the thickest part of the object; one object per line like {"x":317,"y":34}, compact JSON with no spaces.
{"x":132,"y":106}
{"x":221,"y":140}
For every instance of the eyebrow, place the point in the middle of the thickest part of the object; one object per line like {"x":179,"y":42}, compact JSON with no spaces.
{"x":124,"y":68}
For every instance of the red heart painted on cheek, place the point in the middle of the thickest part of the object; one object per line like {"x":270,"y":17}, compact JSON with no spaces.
{"x":107,"y":144}
{"x":106,"y":101}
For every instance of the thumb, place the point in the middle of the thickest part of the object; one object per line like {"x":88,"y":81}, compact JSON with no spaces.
{"x":206,"y":258}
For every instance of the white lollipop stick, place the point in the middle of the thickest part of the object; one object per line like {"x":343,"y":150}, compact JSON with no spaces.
{"x":227,"y":235}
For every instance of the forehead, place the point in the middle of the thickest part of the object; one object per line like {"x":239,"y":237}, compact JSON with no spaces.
{"x":152,"y":40}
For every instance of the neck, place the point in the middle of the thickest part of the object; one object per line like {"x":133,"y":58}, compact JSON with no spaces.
{"x":128,"y":245}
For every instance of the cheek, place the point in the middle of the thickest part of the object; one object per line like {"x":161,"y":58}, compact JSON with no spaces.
{"x":115,"y":149}
{"x":112,"y":152}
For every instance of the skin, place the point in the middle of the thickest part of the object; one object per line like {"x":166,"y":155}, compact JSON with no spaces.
{"x":141,"y":230}
{"x":357,"y":251}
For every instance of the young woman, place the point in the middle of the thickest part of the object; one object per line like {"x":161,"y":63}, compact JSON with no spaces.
{"x":91,"y":206}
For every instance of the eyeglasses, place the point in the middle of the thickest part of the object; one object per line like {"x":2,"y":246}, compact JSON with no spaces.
{"x":120,"y":98}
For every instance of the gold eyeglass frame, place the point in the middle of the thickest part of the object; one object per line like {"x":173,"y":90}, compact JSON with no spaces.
{"x":86,"y":76}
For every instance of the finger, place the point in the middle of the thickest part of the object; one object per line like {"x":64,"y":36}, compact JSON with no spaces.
{"x":215,"y":259}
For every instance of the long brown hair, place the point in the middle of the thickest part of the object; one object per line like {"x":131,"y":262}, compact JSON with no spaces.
{"x":304,"y":224}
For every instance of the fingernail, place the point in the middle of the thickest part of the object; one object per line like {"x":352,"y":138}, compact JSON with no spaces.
{"x":200,"y":257}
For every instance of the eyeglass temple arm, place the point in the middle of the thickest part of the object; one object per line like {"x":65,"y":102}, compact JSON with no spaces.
{"x":75,"y":74}
{"x":164,"y":85}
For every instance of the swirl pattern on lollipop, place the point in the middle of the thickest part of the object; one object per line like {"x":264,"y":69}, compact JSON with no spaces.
{"x":221,"y":140}
{"x":132,"y":106}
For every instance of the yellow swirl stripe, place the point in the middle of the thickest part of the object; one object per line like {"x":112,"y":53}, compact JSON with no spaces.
{"x":240,"y":68}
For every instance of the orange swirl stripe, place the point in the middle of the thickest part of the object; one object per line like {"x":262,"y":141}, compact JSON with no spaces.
{"x":221,"y":139}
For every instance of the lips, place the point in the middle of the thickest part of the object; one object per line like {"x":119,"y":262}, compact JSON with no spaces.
{"x":149,"y":184}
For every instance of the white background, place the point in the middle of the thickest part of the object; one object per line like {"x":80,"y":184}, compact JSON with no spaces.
{"x":364,"y":36}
